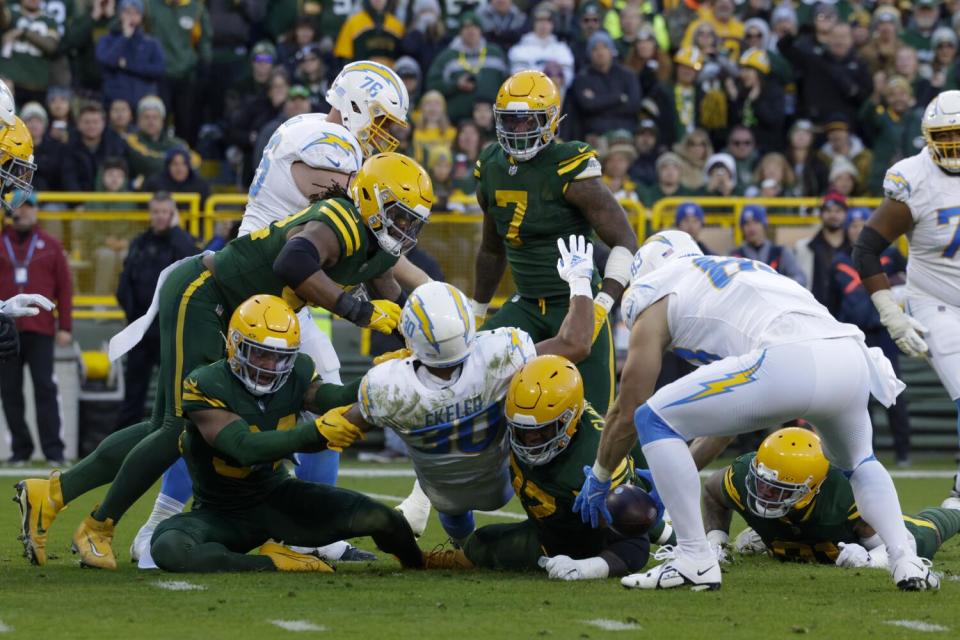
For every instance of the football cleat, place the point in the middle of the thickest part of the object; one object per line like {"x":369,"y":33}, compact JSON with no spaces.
{"x":40,"y":501}
{"x":93,"y":540}
{"x":286,"y":559}
{"x":912,"y":573}
{"x":416,"y":510}
{"x":141,"y":543}
{"x":443,"y":558}
{"x":679,"y":572}
{"x":356,"y":554}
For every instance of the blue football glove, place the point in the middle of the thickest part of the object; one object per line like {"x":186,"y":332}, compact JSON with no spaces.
{"x":591,"y":503}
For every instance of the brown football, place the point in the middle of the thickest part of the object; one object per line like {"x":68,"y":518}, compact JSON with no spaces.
{"x":632,"y":509}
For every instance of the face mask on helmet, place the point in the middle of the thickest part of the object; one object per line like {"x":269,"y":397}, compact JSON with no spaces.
{"x":397,"y":226}
{"x":945,"y":145}
{"x":539,"y":444}
{"x":522,"y":133}
{"x":16,"y":175}
{"x":770,"y":497}
{"x":262,"y":367}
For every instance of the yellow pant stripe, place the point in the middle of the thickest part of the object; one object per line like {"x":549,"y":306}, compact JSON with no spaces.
{"x":181,"y":319}
{"x":920,"y":523}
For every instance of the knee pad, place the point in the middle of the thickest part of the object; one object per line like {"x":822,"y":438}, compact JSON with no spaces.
{"x":651,"y":427}
{"x":171,"y":549}
{"x":458,"y":527}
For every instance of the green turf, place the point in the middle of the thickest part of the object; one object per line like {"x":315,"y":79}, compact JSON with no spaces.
{"x":760,"y":598}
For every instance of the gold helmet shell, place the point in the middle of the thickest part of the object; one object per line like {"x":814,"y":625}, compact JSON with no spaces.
{"x":263,"y":339}
{"x":786,"y":473}
{"x":527,"y":113}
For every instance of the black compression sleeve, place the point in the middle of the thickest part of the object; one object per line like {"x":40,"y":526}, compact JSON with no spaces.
{"x":867,"y":250}
{"x":356,"y":311}
{"x":298,"y":260}
{"x":626,"y":555}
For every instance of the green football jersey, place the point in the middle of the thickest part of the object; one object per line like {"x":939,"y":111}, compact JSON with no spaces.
{"x":218,"y":481}
{"x":547,"y":491}
{"x":245,"y":266}
{"x":526,"y":200}
{"x":22,"y":61}
{"x":807,"y":534}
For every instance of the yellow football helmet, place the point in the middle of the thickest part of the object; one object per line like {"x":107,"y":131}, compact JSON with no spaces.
{"x":394,"y":195}
{"x":786,"y":473}
{"x":527,"y":112}
{"x":16,"y":162}
{"x":689,"y":57}
{"x":941,"y":130}
{"x":263,"y":339}
{"x":543,"y":407}
{"x":756,"y":59}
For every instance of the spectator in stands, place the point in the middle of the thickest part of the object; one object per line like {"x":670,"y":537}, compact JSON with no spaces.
{"x":644,"y":168}
{"x":590,"y":20}
{"x":440,"y":167}
{"x":690,"y":218}
{"x":373,"y":33}
{"x":120,"y":118}
{"x":132,"y":61}
{"x":33,"y":261}
{"x":773,"y":178}
{"x":757,"y":101}
{"x":565,"y":21}
{"x":256,"y":112}
{"x":693,"y":150}
{"x":742,"y":147}
{"x":150,"y":252}
{"x":540,"y":46}
{"x":148,"y":146}
{"x":29,"y":44}
{"x":757,"y":35}
{"x":178,"y":176}
{"x":298,"y":103}
{"x":502,"y":23}
{"x":834,"y":79}
{"x":721,"y":176}
{"x":811,"y":173}
{"x":80,"y":26}
{"x":251,"y":78}
{"x":432,"y":131}
{"x":669,"y":168}
{"x":719,"y":14}
{"x":631,"y":21}
{"x":850,"y":302}
{"x":61,"y":117}
{"x":880,"y":52}
{"x":842,"y":142}
{"x":894,"y":127}
{"x":427,"y":35}
{"x":108,"y":257}
{"x":48,"y":153}
{"x":234,"y":24}
{"x":616,"y":161}
{"x":758,"y":246}
{"x":482,"y":116}
{"x":86,"y":151}
{"x":943,"y":67}
{"x":906,"y":64}
{"x":844,"y":177}
{"x":654,"y":70}
{"x":470,"y":70}
{"x":312,"y":74}
{"x":605,"y":95}
{"x":185,"y":33}
{"x":412,"y":77}
{"x":684,"y":103}
{"x":920,"y":28}
{"x":815,"y":254}
{"x":466,"y":150}
{"x":304,"y":33}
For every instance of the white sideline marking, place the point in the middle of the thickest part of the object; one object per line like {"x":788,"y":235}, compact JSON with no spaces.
{"x":179,"y":585}
{"x":39,"y":472}
{"x":297,"y":625}
{"x":916,"y":625}
{"x":497,"y":513}
{"x":5,"y":628}
{"x":612,"y":625}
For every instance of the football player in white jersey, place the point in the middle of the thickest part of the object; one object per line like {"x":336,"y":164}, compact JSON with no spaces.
{"x":446,"y":400}
{"x":922,"y":200}
{"x":769,"y":353}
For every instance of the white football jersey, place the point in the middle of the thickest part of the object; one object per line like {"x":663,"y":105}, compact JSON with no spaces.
{"x":455,"y":435}
{"x":721,"y":307}
{"x":933,"y":197}
{"x":306,"y":138}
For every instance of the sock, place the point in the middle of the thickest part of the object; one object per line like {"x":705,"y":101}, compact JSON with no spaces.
{"x":678,"y":484}
{"x":163,"y":507}
{"x":662,"y":534}
{"x":458,"y":527}
{"x":101,"y":466}
{"x":177,"y":484}
{"x":879,"y":505}
{"x":319,"y":467}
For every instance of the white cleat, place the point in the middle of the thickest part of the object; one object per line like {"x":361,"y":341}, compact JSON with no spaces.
{"x":679,"y":572}
{"x":952,"y":502}
{"x":912,"y":573}
{"x":416,"y":510}
{"x":141,"y":543}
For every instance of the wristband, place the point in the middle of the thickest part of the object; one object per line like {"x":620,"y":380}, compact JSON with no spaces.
{"x":717,"y":537}
{"x":479,"y":308}
{"x":600,"y":473}
{"x":605,"y":300}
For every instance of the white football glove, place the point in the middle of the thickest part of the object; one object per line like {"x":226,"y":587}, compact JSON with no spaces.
{"x":749,"y":542}
{"x":718,"y":544}
{"x":25,"y":304}
{"x":575,"y":265}
{"x":852,"y":555}
{"x":566,"y":568}
{"x":904,"y":329}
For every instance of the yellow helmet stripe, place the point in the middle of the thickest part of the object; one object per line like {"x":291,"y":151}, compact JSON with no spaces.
{"x":350,"y":220}
{"x":461,"y":309}
{"x":349,"y":245}
{"x":416,"y":307}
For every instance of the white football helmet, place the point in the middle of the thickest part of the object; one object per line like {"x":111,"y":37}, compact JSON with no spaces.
{"x":370,"y":97}
{"x":331,"y":147}
{"x":438,"y":324}
{"x":661,"y":248}
{"x":8,"y":107}
{"x":942,"y":116}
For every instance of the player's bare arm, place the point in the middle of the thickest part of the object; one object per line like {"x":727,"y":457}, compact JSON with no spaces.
{"x":597,"y":204}
{"x":309,"y":249}
{"x":386,"y":285}
{"x":649,"y":337}
{"x":314,"y":182}
{"x":716,"y":515}
{"x":409,"y":275}
{"x":491,"y":259}
{"x":576,"y":333}
{"x":706,"y":449}
{"x":889,"y":221}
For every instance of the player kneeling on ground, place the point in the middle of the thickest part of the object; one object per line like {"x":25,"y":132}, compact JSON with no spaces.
{"x":242,"y":414}
{"x":553,"y":434}
{"x":800,"y":508}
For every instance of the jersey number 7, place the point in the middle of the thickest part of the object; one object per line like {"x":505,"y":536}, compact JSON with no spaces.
{"x":946,"y":216}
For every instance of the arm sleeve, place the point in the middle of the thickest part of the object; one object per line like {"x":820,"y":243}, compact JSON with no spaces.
{"x":249,"y":448}
{"x":331,"y":396}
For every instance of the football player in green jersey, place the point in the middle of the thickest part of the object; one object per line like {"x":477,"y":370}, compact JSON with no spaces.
{"x":241,"y":424}
{"x":311,"y":256}
{"x":798,"y":508}
{"x":554,"y":432}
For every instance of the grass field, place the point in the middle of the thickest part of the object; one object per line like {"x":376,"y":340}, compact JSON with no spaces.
{"x":760,"y":598}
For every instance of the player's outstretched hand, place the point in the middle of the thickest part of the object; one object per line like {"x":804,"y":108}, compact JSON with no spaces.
{"x":338,"y":432}
{"x":566,"y":568}
{"x":749,"y":542}
{"x":591,"y":503}
{"x":25,"y":304}
{"x":576,"y":259}
{"x":398,"y":354}
{"x":905,"y":330}
{"x":385,"y":316}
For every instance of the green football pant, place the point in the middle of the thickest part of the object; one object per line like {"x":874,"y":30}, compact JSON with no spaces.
{"x":541,"y":318}
{"x":298,"y":513}
{"x":931,"y":528}
{"x":505,"y":547}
